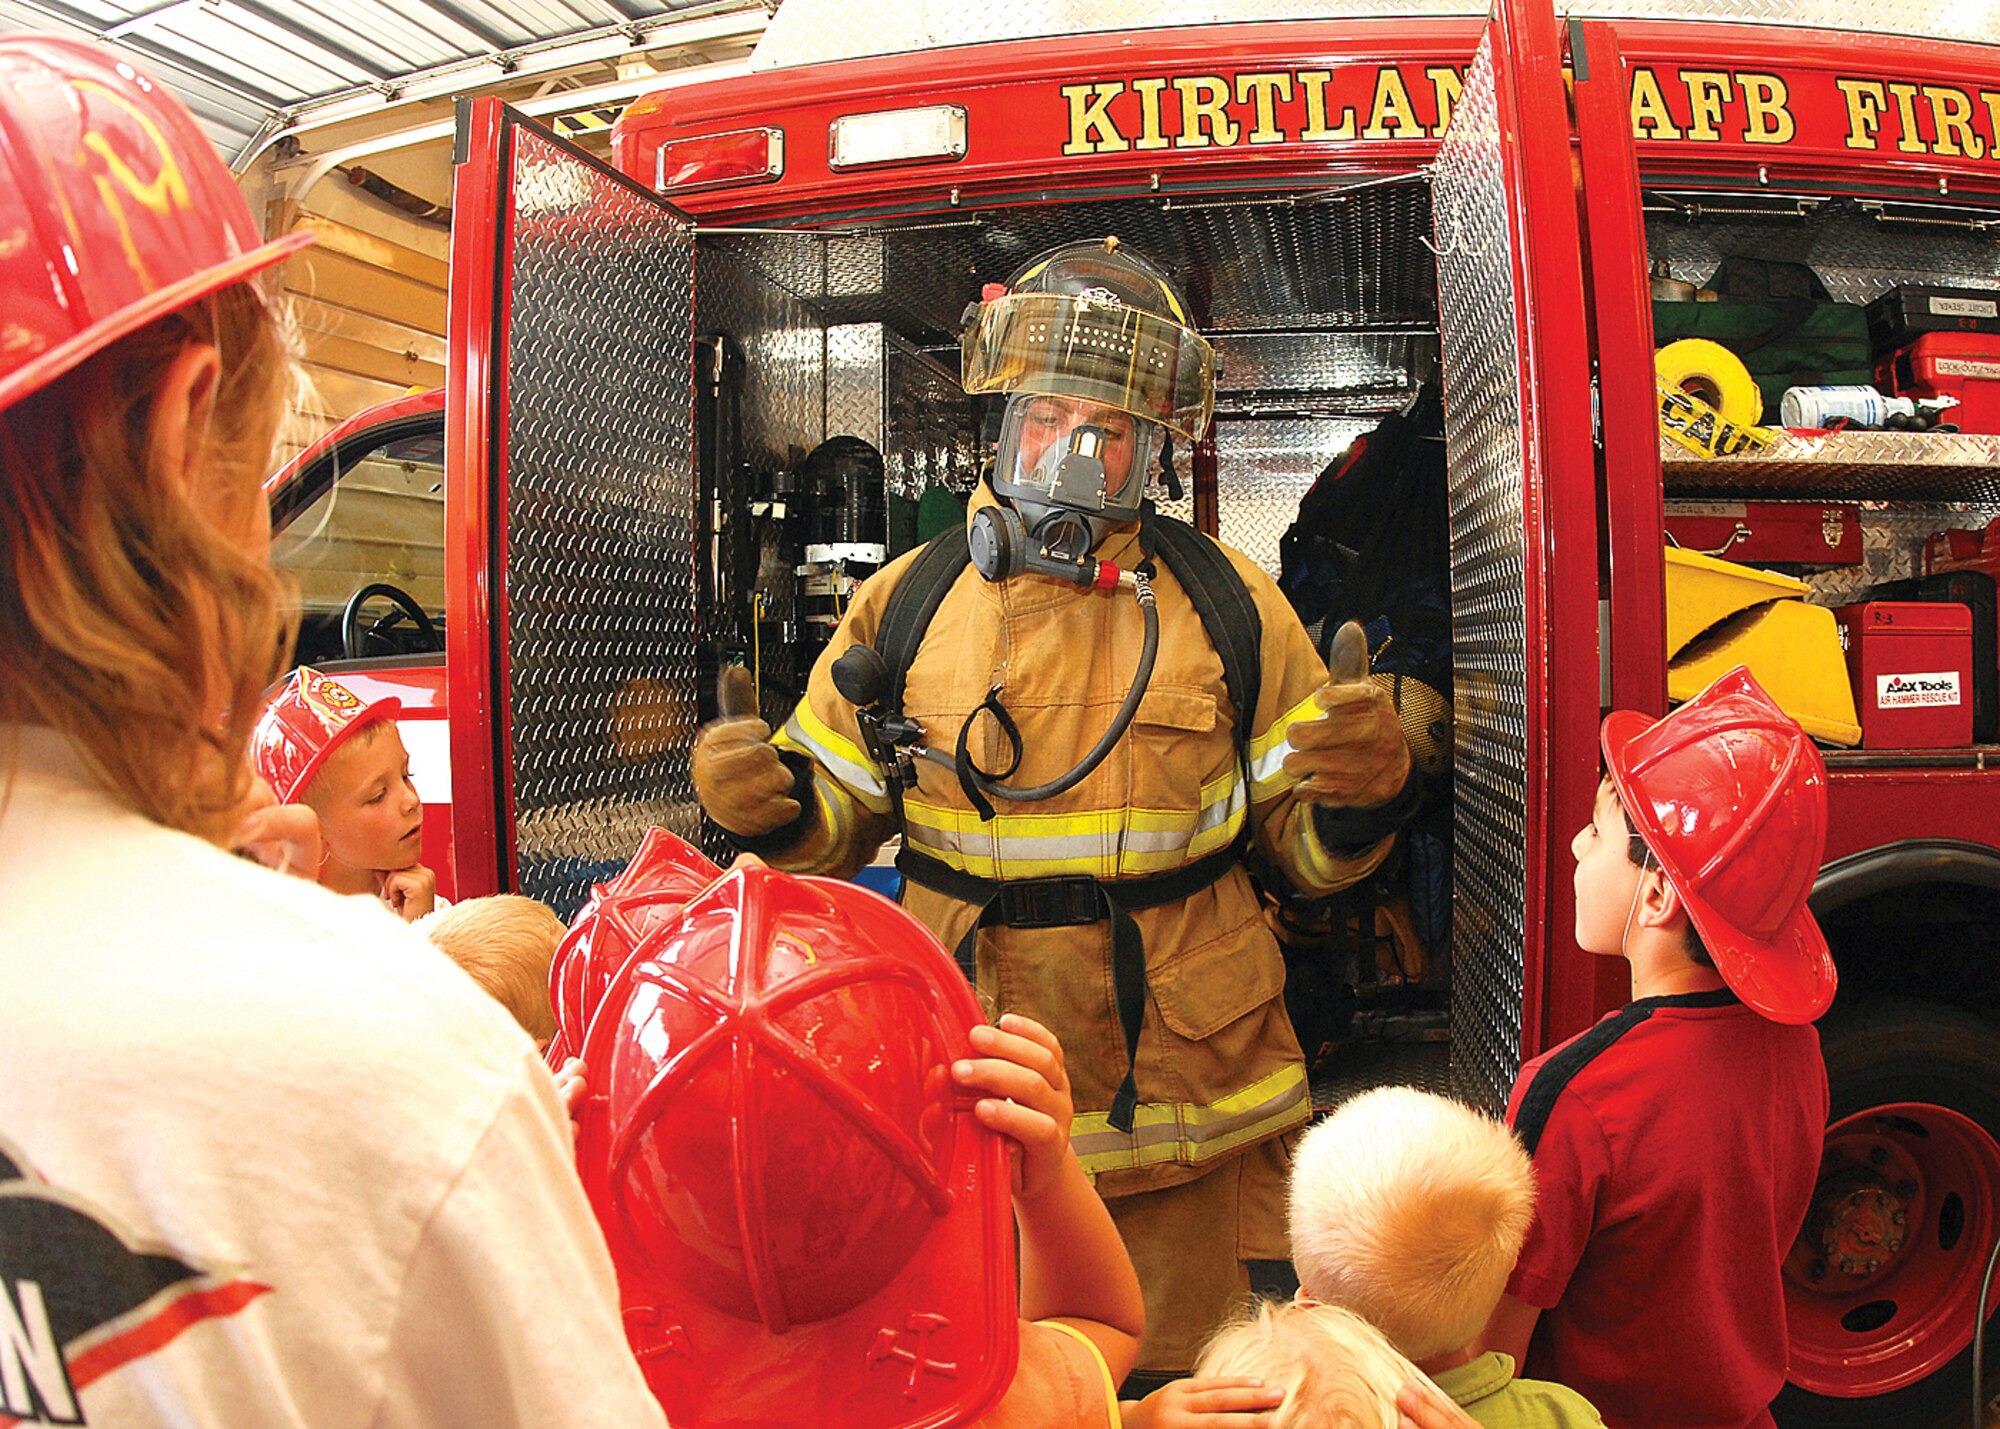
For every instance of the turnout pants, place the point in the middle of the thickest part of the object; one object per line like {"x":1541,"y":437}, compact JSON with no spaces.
{"x":1191,"y":1244}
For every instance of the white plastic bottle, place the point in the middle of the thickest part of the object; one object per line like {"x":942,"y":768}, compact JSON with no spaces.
{"x":1860,"y":406}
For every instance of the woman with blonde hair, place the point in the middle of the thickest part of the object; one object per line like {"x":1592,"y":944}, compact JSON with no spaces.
{"x":263,"y":1161}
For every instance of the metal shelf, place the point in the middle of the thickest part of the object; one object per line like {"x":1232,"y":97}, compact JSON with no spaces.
{"x":1984,"y":758}
{"x":1863,"y":466}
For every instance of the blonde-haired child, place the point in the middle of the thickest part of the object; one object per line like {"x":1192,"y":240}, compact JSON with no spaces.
{"x":1409,"y":1209}
{"x":505,"y":943}
{"x":1332,"y":1368}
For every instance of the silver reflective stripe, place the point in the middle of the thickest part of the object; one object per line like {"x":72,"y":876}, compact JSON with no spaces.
{"x":1170,"y":1131}
{"x":860,"y":777}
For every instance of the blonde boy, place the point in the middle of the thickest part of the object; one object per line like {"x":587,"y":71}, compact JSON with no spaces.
{"x":1409,"y":1209}
{"x":505,"y":943}
{"x":320,"y":745}
{"x":1332,"y":1369}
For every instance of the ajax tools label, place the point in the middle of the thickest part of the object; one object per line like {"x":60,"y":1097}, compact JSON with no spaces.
{"x":1931,"y":687}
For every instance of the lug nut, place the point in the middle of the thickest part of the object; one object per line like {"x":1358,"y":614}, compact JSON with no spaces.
{"x":1906,"y":1188}
{"x":1816,"y":1270}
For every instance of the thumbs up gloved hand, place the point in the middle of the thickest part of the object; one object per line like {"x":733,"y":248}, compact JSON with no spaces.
{"x":742,"y":779}
{"x":1353,"y":762}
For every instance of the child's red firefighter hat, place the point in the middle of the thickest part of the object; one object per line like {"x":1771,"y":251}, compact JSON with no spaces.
{"x":1730,"y":795}
{"x":810,"y":1227}
{"x":302,"y":726}
{"x":115,"y":209}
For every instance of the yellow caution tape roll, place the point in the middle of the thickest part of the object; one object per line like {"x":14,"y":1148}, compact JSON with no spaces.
{"x":1695,"y":425}
{"x":1711,"y":373}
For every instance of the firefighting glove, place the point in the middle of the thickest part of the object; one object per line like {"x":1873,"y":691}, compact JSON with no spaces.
{"x":1353,"y":762}
{"x":747,"y":786}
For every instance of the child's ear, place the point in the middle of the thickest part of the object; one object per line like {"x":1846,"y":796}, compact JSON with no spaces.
{"x":1660,"y":903}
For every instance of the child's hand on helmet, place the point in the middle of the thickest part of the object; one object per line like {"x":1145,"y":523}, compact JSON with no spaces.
{"x":282,"y":837}
{"x":1355,"y":755}
{"x":1025,"y":1097}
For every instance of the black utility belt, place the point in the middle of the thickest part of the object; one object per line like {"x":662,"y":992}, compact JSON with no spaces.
{"x":1065,"y":900}
{"x":1071,"y":902}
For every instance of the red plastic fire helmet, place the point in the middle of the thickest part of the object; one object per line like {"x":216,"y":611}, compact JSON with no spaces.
{"x":115,"y":209}
{"x":809,"y":1225}
{"x":1730,"y":796}
{"x":651,"y":890}
{"x":303,"y":724}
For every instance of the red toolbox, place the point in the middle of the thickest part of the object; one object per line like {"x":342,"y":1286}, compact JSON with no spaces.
{"x":1964,"y":549}
{"x":1910,"y":664}
{"x":1786,"y":533}
{"x":1965,"y":365}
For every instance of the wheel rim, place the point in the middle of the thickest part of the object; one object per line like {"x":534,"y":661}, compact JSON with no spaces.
{"x":1880,"y":1285}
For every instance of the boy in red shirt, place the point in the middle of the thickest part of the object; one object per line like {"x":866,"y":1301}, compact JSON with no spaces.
{"x":1676,"y":1142}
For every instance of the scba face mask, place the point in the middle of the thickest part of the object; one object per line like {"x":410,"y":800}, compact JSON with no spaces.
{"x":1062,"y":456}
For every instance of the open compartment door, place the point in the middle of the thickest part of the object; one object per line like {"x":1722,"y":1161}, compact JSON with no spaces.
{"x":569,"y":532}
{"x":1518,"y":438}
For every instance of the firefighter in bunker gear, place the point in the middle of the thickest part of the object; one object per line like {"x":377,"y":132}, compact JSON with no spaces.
{"x":1186,"y":1083}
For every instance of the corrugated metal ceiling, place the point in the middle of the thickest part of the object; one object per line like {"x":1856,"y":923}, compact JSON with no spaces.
{"x":241,"y":65}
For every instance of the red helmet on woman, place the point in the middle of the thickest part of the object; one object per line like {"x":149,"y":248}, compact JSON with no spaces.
{"x":809,"y":1225}
{"x":115,"y":209}
{"x":1730,"y":796}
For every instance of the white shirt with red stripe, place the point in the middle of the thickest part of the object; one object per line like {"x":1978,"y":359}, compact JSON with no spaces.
{"x":266,"y":1159}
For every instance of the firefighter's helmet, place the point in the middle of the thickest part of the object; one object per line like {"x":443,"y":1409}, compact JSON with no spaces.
{"x":809,"y":1225}
{"x":304,"y":723}
{"x":115,"y":209}
{"x":1088,"y":325}
{"x":1730,"y":796}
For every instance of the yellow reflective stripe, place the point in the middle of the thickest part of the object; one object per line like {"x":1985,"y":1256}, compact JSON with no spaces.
{"x":1101,"y":843}
{"x":1268,"y":750}
{"x":839,"y":756}
{"x":1112,"y":1415}
{"x":1190,"y":1132}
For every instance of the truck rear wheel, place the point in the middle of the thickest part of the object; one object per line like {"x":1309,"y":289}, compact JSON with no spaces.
{"x":1881,"y":1285}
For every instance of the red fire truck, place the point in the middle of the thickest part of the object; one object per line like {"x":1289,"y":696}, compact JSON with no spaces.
{"x":641,"y":353}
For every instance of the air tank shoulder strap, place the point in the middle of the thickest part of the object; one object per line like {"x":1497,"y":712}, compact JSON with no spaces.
{"x":914,"y":603}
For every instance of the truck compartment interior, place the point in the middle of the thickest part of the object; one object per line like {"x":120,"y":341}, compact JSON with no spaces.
{"x":1323,"y":311}
{"x":1910,"y":484}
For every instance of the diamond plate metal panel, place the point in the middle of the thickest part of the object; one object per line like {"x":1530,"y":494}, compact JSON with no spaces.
{"x":930,"y":436}
{"x":1858,"y":257}
{"x":1266,"y":265}
{"x":600,"y":493}
{"x":1263,"y":467}
{"x":1978,"y":22}
{"x":810,"y":31}
{"x":1484,"y":436}
{"x":1874,"y":466}
{"x":854,"y":361}
{"x":1892,"y":548}
{"x":784,"y":351}
{"x":1320,"y":362}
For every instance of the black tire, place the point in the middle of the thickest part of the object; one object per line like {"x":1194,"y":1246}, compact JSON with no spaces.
{"x":1902,"y":1050}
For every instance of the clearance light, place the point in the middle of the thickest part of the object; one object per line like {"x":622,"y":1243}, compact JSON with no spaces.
{"x":893,"y":136}
{"x":745,"y":157}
